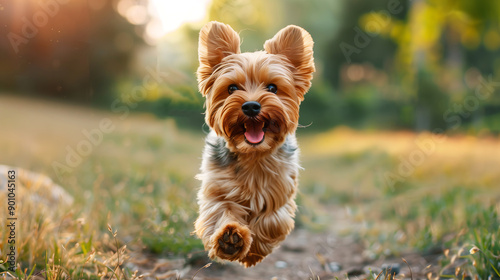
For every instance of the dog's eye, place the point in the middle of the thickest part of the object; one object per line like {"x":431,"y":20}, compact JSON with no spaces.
{"x":232,"y":88}
{"x":272,"y":88}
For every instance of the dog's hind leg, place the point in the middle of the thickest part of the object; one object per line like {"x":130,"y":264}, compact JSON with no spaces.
{"x":269,"y":229}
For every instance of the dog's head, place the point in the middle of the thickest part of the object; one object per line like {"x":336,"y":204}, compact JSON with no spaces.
{"x":252,"y":99}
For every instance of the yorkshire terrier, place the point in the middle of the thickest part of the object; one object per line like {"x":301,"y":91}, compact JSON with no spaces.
{"x":250,"y":162}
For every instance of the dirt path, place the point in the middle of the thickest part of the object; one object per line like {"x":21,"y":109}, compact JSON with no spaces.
{"x":302,"y":254}
{"x":306,"y":255}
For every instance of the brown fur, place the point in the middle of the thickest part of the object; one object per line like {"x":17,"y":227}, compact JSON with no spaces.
{"x":247,"y":195}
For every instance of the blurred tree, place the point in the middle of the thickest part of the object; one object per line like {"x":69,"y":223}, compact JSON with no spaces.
{"x":354,"y":44}
{"x":71,"y":50}
{"x":433,"y":49}
{"x":113,"y":42}
{"x":358,"y":61}
{"x":424,"y":47}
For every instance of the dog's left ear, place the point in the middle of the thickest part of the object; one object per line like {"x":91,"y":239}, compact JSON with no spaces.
{"x":297,"y":46}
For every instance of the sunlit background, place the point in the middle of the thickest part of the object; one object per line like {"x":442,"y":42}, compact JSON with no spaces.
{"x":399,"y":132}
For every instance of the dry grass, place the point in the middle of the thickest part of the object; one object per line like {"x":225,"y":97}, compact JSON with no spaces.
{"x":139,"y":180}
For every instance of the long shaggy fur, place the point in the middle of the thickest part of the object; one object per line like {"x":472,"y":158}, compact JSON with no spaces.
{"x":247,"y":197}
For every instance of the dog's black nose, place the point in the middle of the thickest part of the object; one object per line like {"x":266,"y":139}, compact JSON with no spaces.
{"x":251,"y":108}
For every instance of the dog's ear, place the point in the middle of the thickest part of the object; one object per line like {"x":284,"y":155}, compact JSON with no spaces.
{"x":297,"y":46}
{"x":217,"y":40}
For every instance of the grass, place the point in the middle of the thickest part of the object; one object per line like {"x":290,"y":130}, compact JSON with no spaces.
{"x":449,"y":203}
{"x":135,"y":193}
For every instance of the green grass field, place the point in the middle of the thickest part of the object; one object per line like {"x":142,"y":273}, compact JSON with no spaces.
{"x":134,"y":192}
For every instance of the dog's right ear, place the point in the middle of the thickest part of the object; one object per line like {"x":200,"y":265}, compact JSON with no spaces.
{"x":217,"y":40}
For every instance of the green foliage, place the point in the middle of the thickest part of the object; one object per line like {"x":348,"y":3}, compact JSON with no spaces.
{"x":486,"y":236}
{"x":169,"y":232}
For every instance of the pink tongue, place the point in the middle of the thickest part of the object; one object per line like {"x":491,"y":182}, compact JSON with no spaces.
{"x":254,"y":133}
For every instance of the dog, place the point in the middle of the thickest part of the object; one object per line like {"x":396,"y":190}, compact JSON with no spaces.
{"x":250,"y":164}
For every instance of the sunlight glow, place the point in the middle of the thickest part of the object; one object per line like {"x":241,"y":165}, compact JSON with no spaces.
{"x":137,"y":14}
{"x":173,"y":14}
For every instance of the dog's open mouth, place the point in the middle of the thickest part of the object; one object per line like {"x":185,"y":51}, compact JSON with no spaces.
{"x":254,"y":131}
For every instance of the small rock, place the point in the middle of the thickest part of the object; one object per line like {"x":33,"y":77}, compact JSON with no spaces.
{"x":35,"y":187}
{"x":392,"y":268}
{"x":281,"y":264}
{"x":334,"y":266}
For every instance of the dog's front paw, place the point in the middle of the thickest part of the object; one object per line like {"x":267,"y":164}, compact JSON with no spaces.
{"x":231,"y":242}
